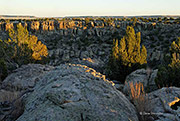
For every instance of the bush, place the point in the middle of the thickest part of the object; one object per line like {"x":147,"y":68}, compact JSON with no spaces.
{"x":169,"y":74}
{"x":5,"y":54}
{"x":3,"y":70}
{"x":127,"y":55}
{"x":140,"y":100}
{"x":21,"y":48}
{"x":29,"y":46}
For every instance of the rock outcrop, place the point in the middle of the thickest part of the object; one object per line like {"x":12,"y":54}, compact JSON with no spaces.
{"x":146,"y":77}
{"x":76,"y":93}
{"x":11,"y":106}
{"x":163,"y":104}
{"x":73,"y":39}
{"x":71,"y":24}
{"x":25,"y":78}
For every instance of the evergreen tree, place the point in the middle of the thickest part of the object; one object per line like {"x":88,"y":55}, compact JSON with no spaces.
{"x":6,"y":53}
{"x":127,"y":55}
{"x":21,"y":48}
{"x":28,"y":46}
{"x":38,"y":48}
{"x":3,"y":69}
{"x":169,"y":74}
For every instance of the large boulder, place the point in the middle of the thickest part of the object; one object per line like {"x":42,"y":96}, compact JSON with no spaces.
{"x":76,"y":93}
{"x":144,"y":76}
{"x":164,"y":104}
{"x":25,"y":77}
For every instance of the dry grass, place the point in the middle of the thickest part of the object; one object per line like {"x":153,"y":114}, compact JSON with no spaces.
{"x":140,"y":100}
{"x":17,"y":107}
{"x":8,"y":96}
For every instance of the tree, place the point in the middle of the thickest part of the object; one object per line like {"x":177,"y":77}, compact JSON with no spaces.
{"x":127,"y":55}
{"x":21,"y":48}
{"x":172,"y":18}
{"x":175,"y":51}
{"x":27,"y":43}
{"x":6,"y":53}
{"x":87,"y":21}
{"x":134,"y":20}
{"x":3,"y":69}
{"x":165,"y":18}
{"x":169,"y":74}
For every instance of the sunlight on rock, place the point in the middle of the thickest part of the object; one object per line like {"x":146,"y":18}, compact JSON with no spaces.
{"x":89,"y":60}
{"x":114,"y":111}
{"x":154,"y":24}
{"x":174,"y":102}
{"x":94,"y":73}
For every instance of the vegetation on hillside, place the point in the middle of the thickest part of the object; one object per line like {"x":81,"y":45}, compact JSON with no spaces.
{"x":127,"y":55}
{"x":21,"y":48}
{"x":3,"y":69}
{"x":22,"y":38}
{"x":169,"y":74}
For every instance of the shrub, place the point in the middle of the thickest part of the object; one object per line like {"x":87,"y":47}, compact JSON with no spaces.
{"x":126,"y":56}
{"x":152,"y":46}
{"x":5,"y":53}
{"x":28,"y":43}
{"x":140,"y":100}
{"x":21,"y":48}
{"x":3,"y":70}
{"x":6,"y":50}
{"x":169,"y":74}
{"x":87,"y":21}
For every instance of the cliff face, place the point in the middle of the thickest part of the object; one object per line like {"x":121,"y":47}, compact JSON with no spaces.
{"x":78,"y":39}
{"x":54,"y":25}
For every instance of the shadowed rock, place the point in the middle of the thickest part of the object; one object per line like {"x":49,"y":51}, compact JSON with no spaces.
{"x":25,"y":77}
{"x":76,"y":93}
{"x":160,"y":102}
{"x":146,"y":77}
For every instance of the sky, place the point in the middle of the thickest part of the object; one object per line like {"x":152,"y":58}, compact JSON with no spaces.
{"x":61,"y":8}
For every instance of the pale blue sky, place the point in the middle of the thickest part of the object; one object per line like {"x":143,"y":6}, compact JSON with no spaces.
{"x":89,"y":7}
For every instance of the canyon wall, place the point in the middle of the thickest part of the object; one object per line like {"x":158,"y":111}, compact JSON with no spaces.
{"x":79,"y":41}
{"x":54,"y":25}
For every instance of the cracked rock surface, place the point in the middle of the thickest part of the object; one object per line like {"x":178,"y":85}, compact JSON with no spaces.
{"x":141,"y":76}
{"x":25,"y":77}
{"x":160,"y":100}
{"x":76,"y":93}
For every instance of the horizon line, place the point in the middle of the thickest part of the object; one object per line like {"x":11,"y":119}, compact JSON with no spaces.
{"x":145,"y":15}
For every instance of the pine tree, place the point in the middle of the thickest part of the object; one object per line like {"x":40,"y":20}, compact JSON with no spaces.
{"x":21,"y":48}
{"x":175,"y":57}
{"x":169,"y":74}
{"x":28,"y":47}
{"x":38,"y":48}
{"x":3,"y":69}
{"x":127,"y":55}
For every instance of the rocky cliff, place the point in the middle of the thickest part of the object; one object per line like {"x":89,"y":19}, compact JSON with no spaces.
{"x":71,"y":40}
{"x":54,"y":25}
